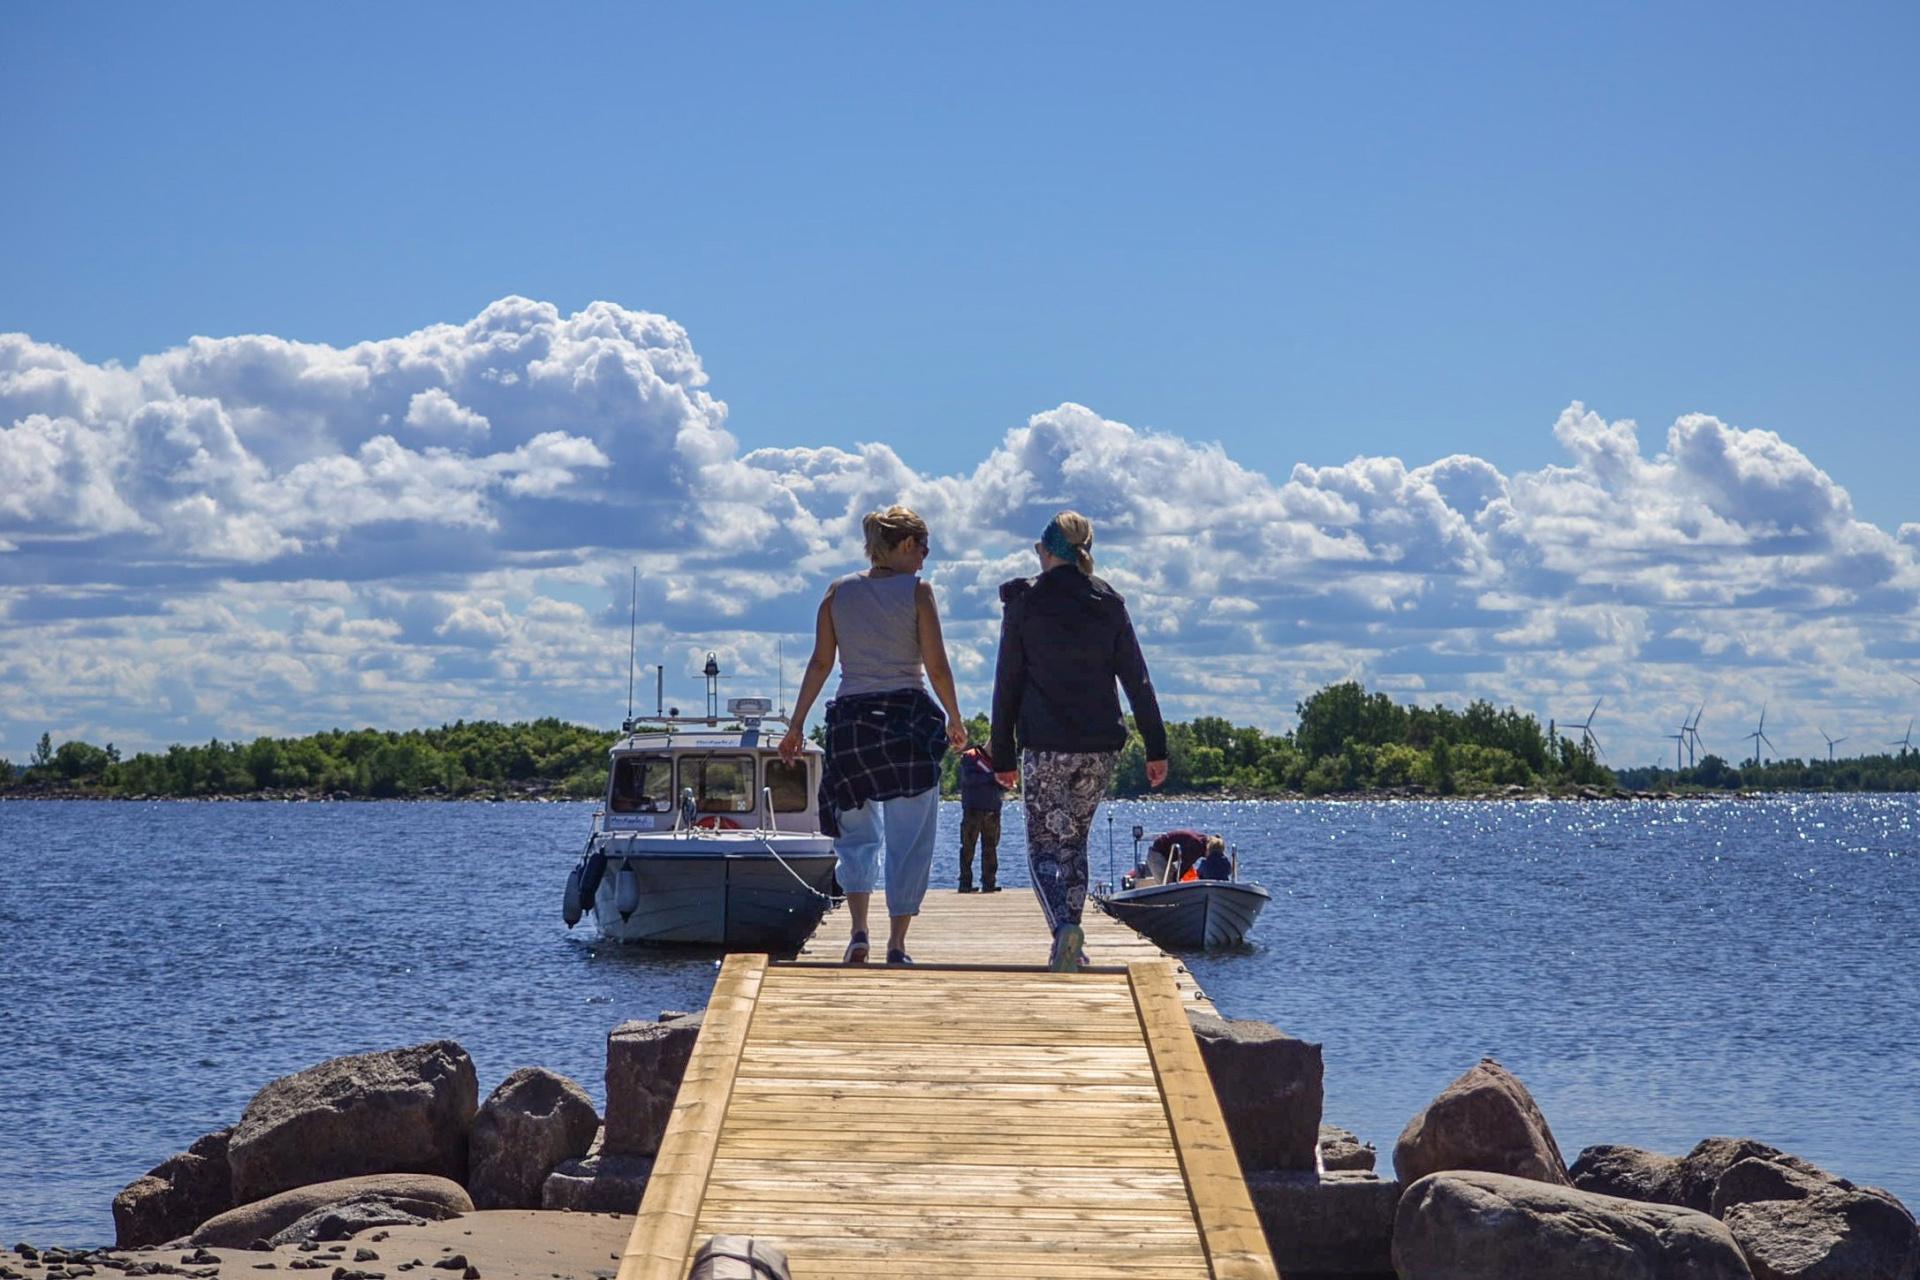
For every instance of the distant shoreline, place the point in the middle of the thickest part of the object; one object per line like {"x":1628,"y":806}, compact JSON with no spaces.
{"x":1155,"y":797}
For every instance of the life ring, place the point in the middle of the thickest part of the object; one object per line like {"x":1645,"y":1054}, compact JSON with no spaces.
{"x":714,"y":822}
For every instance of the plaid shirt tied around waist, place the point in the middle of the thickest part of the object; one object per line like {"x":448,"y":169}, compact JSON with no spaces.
{"x":880,"y":746}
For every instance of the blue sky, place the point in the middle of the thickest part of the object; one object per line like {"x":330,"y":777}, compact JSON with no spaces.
{"x":1311,"y":236}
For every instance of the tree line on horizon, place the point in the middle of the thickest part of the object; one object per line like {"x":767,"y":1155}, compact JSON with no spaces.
{"x":1347,"y":741}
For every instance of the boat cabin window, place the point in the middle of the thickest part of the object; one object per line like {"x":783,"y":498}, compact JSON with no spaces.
{"x":788,"y":782}
{"x":721,"y":784}
{"x":642,"y":784}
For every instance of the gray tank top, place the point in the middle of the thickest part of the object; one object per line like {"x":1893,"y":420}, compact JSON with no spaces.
{"x":877,"y":626}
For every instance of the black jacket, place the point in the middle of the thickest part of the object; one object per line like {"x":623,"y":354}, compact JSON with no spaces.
{"x":1064,"y":639}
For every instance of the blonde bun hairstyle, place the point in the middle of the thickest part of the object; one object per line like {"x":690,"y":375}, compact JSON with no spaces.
{"x":1069,"y":537}
{"x":887,"y":529}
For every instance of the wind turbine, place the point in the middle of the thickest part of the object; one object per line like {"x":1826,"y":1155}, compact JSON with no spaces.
{"x":1831,"y":744}
{"x":1692,"y":730}
{"x":1679,"y":741}
{"x":1905,"y":744}
{"x":1586,"y":731}
{"x":1759,"y":735}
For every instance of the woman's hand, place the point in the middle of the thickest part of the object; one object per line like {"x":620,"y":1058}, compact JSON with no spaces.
{"x":791,"y":744}
{"x":1156,"y":772}
{"x":956,"y":733}
{"x":1008,"y":778}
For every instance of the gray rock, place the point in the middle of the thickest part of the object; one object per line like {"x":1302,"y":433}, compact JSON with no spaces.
{"x":645,"y":1061}
{"x":603,"y":1182}
{"x":1486,"y":1121}
{"x":1269,"y":1087}
{"x":1342,"y":1151}
{"x":421,"y":1194}
{"x":176,"y":1195}
{"x":1628,"y":1173}
{"x":1337,"y":1224}
{"x":532,"y":1122}
{"x":1812,"y":1230}
{"x":397,"y":1111}
{"x":1701,"y":1169}
{"x":1491,"y":1226}
{"x":344,"y":1219}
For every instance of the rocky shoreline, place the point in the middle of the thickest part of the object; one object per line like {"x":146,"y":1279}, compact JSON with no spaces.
{"x":380,"y":1163}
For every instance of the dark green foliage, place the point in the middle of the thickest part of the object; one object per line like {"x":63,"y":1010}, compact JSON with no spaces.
{"x":1349,"y":740}
{"x":456,"y":759}
{"x":1895,"y":771}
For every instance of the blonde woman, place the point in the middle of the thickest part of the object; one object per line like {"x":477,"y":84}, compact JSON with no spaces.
{"x":885,"y":737}
{"x":1065,"y":639}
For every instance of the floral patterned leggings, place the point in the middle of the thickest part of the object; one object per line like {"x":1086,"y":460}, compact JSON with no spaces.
{"x":1062,"y":790}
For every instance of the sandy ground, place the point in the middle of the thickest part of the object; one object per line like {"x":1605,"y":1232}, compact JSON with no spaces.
{"x":500,"y":1244}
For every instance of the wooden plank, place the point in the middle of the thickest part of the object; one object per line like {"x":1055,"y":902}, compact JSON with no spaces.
{"x":662,"y":1239}
{"x":1229,"y":1228}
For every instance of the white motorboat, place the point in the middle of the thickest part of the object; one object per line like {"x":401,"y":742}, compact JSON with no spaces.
{"x":705,"y":836}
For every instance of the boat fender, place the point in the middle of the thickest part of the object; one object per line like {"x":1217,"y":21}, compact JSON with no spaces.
{"x":591,"y":871}
{"x":626,"y":892}
{"x":570,"y":904}
{"x":714,"y":822}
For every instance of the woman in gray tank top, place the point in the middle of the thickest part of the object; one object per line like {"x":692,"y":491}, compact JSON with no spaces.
{"x":885,"y":737}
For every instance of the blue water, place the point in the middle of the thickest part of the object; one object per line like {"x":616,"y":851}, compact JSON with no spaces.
{"x":1655,"y":972}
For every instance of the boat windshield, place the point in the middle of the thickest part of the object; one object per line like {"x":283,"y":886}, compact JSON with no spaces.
{"x":642,"y":784}
{"x":788,"y":782}
{"x":721,"y":784}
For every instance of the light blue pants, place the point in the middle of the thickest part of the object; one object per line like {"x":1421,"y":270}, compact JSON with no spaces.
{"x":910,"y":824}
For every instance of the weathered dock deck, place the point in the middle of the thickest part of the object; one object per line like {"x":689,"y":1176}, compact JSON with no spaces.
{"x":1003,"y":928}
{"x":989,"y":1119}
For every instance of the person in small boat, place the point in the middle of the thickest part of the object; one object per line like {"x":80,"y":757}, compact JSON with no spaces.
{"x":1065,"y":639}
{"x":980,"y":796}
{"x":880,"y":787}
{"x":1183,"y":846}
{"x":1214,"y":864}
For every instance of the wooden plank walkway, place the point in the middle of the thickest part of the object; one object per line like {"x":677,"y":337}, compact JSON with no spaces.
{"x":1004,"y":1124}
{"x":1004,"y":928}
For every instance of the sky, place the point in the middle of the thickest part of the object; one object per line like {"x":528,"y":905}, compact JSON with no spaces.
{"x":355,"y":353}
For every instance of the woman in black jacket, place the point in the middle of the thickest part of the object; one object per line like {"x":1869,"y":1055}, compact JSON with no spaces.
{"x":1065,"y":638}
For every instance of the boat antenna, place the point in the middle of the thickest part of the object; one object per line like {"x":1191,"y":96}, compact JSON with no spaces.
{"x":659,"y":688}
{"x":780,"y":660}
{"x":633,"y":621}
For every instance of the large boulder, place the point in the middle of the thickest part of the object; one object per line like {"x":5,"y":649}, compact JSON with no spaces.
{"x":396,"y":1111}
{"x":602,"y":1182}
{"x":1492,"y":1226}
{"x":176,"y":1195}
{"x":1335,"y":1224}
{"x":1698,"y":1175}
{"x":1269,"y":1087}
{"x":532,"y":1122}
{"x":645,"y":1061}
{"x":1627,"y":1173}
{"x":1486,"y":1121}
{"x":423,"y":1195}
{"x":1796,"y":1225}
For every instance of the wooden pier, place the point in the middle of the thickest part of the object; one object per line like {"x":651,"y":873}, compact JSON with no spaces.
{"x":977,"y":1118}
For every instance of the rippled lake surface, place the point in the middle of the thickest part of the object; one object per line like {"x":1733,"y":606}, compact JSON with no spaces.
{"x":1655,"y":972}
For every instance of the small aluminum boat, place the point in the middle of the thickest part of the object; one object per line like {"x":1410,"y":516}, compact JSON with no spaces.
{"x":1189,"y":915}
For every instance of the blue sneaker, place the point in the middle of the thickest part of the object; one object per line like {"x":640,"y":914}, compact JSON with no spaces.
{"x":1066,"y":956}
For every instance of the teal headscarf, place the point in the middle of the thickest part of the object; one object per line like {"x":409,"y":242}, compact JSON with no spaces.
{"x":1055,"y":541}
